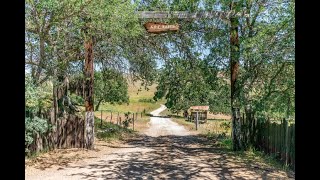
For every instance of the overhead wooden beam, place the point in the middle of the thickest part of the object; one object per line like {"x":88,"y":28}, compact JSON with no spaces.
{"x":188,"y":15}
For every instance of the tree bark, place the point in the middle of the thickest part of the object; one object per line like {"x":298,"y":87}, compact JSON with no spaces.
{"x":234,"y":65}
{"x":234,"y":61}
{"x":41,"y":59}
{"x":89,"y":116}
{"x":236,"y":129}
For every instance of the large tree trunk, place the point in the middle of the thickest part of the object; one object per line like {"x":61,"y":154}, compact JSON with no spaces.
{"x":41,"y":59}
{"x":89,"y":116}
{"x":236,"y":130}
{"x":55,"y":112}
{"x":234,"y":65}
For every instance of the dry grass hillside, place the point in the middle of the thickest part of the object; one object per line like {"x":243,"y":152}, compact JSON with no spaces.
{"x":137,"y":100}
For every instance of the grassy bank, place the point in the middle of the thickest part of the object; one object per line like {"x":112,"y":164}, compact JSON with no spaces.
{"x":113,"y":115}
{"x":140,"y":100}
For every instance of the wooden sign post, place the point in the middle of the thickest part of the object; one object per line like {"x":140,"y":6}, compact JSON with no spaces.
{"x":197,"y":120}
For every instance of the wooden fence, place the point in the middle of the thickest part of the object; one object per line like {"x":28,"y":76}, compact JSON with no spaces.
{"x":66,"y":132}
{"x":118,"y":118}
{"x":276,"y":138}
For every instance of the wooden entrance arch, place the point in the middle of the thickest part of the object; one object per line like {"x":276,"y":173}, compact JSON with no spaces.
{"x":229,"y":17}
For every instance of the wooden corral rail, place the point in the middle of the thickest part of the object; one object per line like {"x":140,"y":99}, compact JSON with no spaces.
{"x":118,"y":118}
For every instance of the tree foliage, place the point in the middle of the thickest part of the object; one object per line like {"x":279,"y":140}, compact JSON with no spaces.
{"x":110,"y":86}
{"x":266,"y":72}
{"x":195,"y":67}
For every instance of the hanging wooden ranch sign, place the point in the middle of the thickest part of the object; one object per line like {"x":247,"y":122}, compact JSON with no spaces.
{"x":158,"y":27}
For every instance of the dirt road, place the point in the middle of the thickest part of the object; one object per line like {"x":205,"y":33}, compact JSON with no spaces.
{"x":159,"y":126}
{"x":165,"y":151}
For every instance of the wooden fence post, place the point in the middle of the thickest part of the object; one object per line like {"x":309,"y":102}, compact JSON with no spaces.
{"x":118,"y":119}
{"x":286,"y":140}
{"x":133,"y":120}
{"x":281,"y":139}
{"x":197,"y":117}
{"x":268,"y":136}
{"x":243,"y":131}
{"x":274,"y":138}
{"x":293,"y":147}
{"x":101,"y":120}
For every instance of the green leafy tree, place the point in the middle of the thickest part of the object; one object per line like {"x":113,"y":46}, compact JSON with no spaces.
{"x":182,"y":86}
{"x":110,"y":86}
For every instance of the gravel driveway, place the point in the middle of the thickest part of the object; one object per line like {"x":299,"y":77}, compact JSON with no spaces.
{"x":165,"y":151}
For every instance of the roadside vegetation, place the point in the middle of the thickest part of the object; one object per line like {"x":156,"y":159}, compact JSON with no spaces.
{"x":246,"y":65}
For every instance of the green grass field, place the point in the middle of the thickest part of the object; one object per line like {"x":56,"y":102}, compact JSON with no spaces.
{"x":135,"y":97}
{"x":140,"y":101}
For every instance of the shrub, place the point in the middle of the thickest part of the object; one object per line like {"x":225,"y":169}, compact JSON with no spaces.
{"x":226,"y":126}
{"x":78,"y":100}
{"x":33,"y":126}
{"x":147,"y":100}
{"x":127,"y":120}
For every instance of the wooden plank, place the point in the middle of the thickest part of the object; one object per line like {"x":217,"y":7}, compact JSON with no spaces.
{"x":133,"y":120}
{"x":275,"y":139}
{"x":267,"y":136}
{"x":254,"y":128}
{"x":286,"y":143}
{"x":159,"y":27}
{"x":272,"y":138}
{"x":197,"y":120}
{"x":280,"y":139}
{"x":292,"y":157}
{"x":189,"y":15}
{"x":293,"y":147}
{"x":118,"y":119}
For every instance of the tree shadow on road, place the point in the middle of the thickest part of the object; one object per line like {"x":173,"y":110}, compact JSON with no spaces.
{"x":177,"y":157}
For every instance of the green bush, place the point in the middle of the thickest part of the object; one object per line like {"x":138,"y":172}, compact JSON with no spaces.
{"x":226,"y":126}
{"x":226,"y":142}
{"x":78,"y":100}
{"x":127,"y":120}
{"x":147,"y":100}
{"x":32,"y":126}
{"x":110,"y":131}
